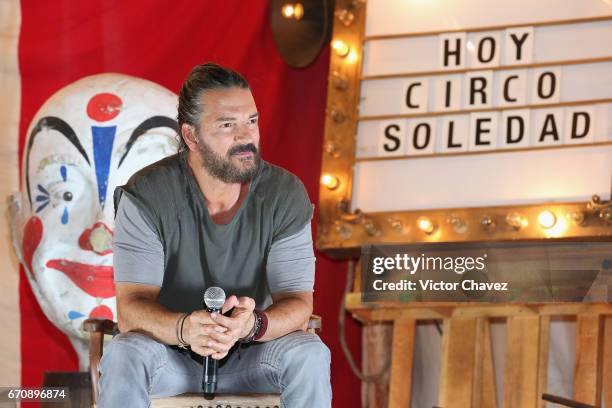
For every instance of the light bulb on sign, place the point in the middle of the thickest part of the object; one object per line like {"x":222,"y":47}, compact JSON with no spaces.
{"x":517,"y":220}
{"x":426,"y":225}
{"x":345,"y":16}
{"x":459,"y":225}
{"x":577,"y":217}
{"x":547,"y":219}
{"x":329,"y":181}
{"x":341,"y":48}
{"x":352,"y":57}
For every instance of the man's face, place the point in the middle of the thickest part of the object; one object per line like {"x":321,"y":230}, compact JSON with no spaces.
{"x":228,"y":137}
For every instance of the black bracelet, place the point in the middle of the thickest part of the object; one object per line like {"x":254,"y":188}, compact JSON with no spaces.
{"x":182,"y":343}
{"x":177,"y":326}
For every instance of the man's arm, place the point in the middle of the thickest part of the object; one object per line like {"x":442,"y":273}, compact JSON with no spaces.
{"x":289,"y":312}
{"x":139,"y":311}
{"x":290,"y":274}
{"x":139,"y":263}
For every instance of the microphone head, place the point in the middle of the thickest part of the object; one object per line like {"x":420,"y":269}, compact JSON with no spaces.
{"x":214,"y":297}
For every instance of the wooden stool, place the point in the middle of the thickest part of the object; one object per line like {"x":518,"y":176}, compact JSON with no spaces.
{"x":467,"y":375}
{"x":99,"y":327}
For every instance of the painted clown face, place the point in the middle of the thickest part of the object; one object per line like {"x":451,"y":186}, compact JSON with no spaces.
{"x":84,"y":141}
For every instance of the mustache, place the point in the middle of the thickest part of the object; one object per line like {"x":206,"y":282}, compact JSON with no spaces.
{"x":249,"y":147}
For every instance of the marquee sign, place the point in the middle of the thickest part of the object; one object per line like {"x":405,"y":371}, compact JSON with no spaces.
{"x":449,"y":125}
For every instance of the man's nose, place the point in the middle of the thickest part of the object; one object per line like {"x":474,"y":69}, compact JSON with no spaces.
{"x":243,"y":134}
{"x":98,"y":238}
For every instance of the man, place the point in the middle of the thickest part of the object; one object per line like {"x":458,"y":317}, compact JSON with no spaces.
{"x":215,"y":214}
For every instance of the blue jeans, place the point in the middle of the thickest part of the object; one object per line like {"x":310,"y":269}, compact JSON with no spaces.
{"x":136,"y":367}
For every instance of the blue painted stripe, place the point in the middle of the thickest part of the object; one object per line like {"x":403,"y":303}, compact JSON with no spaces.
{"x":103,"y":138}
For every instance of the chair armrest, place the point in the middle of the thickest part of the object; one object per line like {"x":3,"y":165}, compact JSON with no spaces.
{"x":315,"y":324}
{"x":97,"y":328}
{"x":104,"y":326}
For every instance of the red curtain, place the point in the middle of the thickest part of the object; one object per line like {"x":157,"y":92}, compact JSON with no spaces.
{"x":63,"y":41}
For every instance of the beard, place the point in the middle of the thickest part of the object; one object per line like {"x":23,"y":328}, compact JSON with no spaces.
{"x":224,"y":169}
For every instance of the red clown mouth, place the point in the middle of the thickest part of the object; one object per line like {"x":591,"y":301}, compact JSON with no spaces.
{"x":95,"y":280}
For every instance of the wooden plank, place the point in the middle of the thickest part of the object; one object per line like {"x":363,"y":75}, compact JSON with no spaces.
{"x":402,"y":354}
{"x":489,"y":109}
{"x":376,"y":343}
{"x":589,"y":352}
{"x":478,"y":153}
{"x":488,"y":28}
{"x":521,"y":370}
{"x":198,"y":400}
{"x":607,"y":362}
{"x":340,"y":129}
{"x":543,"y":359}
{"x":391,"y":314}
{"x":96,"y":343}
{"x":484,"y":374}
{"x":357,"y":277}
{"x":497,"y":68}
{"x":390,"y":311}
{"x":458,"y":356}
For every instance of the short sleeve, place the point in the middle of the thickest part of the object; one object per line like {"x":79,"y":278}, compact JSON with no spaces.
{"x":138,"y":254}
{"x":290,"y":264}
{"x":294,"y":209}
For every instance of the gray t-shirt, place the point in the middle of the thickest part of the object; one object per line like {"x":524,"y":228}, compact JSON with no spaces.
{"x":139,"y":254}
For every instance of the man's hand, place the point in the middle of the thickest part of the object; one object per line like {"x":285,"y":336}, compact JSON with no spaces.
{"x":242,"y":320}
{"x":212,"y":334}
{"x":196,"y":332}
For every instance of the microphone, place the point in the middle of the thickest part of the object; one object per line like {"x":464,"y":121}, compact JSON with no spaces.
{"x":214,"y":297}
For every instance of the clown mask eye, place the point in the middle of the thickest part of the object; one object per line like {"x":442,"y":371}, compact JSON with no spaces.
{"x":60,"y":194}
{"x":58,"y":186}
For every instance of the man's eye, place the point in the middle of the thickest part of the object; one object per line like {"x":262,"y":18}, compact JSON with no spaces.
{"x":226,"y":125}
{"x":252,"y":121}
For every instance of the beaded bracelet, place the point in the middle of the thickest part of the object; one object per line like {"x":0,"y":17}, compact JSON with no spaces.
{"x":256,"y":324}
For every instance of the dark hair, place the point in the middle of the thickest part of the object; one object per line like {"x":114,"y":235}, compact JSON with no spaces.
{"x":201,"y":78}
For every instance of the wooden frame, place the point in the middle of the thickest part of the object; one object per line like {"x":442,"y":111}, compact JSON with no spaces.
{"x":498,"y":68}
{"x":491,"y":28}
{"x":342,"y":231}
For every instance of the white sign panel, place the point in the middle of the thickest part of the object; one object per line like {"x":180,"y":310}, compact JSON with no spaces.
{"x":454,"y":99}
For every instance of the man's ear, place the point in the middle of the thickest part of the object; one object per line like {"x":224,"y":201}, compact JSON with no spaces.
{"x":189,"y":136}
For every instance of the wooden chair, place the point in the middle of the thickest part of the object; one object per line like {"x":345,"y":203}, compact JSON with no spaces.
{"x":97,"y":328}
